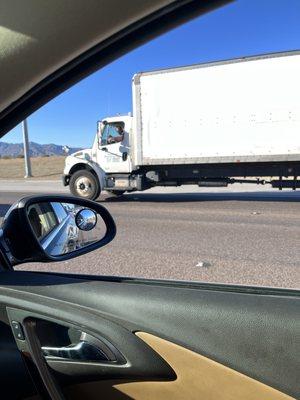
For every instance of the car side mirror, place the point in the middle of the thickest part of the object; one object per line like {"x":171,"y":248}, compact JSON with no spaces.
{"x":124,"y":156}
{"x":54,"y":228}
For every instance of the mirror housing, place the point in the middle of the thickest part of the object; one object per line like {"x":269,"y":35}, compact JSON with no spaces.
{"x":19,"y":244}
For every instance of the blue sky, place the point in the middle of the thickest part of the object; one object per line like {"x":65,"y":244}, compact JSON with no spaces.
{"x":246,"y":27}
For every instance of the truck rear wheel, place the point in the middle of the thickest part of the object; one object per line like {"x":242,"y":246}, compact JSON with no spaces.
{"x":85,"y":184}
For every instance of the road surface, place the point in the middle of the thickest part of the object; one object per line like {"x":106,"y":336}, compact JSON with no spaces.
{"x":242,"y":234}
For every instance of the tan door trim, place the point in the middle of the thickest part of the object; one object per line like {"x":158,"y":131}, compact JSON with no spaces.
{"x":198,"y":378}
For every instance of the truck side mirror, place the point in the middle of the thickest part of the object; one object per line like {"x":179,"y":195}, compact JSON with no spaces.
{"x":100,"y":127}
{"x":124,"y":156}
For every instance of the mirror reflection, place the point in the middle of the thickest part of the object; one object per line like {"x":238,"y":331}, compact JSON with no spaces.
{"x":86,"y":219}
{"x":62,"y":228}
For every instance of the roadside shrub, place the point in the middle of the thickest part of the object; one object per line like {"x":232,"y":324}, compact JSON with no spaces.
{"x":20,"y":156}
{"x":6,"y":157}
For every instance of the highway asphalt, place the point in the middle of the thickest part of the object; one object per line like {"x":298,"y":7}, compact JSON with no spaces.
{"x":242,"y":234}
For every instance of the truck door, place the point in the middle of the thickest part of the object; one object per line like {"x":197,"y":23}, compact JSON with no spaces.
{"x":113,"y":148}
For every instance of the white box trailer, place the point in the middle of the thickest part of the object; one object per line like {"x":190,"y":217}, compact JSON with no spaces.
{"x":243,"y":110}
{"x":206,"y":124}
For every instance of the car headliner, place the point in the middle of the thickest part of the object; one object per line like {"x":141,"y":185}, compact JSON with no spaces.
{"x":39,"y":40}
{"x":37,"y":37}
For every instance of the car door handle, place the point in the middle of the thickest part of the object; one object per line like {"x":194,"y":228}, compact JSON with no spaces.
{"x":83,"y":351}
{"x":47,"y":340}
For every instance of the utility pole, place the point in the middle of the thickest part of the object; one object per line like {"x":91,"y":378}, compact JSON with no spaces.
{"x":26,"y":150}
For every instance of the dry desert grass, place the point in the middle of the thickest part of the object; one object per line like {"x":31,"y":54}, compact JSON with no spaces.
{"x":42,"y":167}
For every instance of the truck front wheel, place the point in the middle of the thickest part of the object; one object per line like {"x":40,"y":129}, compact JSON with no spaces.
{"x":85,"y":184}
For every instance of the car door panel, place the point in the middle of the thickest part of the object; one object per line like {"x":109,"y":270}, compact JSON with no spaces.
{"x":134,"y":360}
{"x":249,"y":334}
{"x":198,"y":377}
{"x":12,"y":368}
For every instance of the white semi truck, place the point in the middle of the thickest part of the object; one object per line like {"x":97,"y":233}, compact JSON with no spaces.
{"x":208,"y":124}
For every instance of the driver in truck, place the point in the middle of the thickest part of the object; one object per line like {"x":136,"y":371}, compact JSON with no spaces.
{"x":117,"y":139}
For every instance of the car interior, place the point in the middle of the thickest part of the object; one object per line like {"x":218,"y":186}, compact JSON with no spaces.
{"x":70,"y":336}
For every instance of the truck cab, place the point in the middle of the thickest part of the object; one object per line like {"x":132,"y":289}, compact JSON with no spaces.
{"x":111,"y":148}
{"x":106,"y":165}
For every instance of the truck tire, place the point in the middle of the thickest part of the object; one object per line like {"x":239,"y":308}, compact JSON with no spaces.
{"x":85,"y":184}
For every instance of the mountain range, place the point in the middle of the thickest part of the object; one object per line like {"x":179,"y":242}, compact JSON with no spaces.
{"x":35,"y":149}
